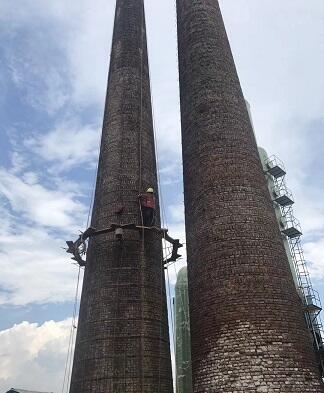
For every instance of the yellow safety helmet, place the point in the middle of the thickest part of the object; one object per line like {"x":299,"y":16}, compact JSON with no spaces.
{"x":150,"y":190}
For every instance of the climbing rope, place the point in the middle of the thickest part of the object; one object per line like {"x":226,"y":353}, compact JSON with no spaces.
{"x":141,"y":103}
{"x":166,"y":250}
{"x":94,"y":182}
{"x":115,"y":319}
{"x":69,"y":357}
{"x":142,"y":262}
{"x":163,"y":222}
{"x":92,"y":195}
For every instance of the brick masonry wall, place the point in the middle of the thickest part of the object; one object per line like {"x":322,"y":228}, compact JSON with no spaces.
{"x":122,"y":341}
{"x":247,"y":324}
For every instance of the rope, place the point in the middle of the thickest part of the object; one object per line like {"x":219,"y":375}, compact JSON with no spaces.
{"x":166,"y":250}
{"x":69,"y":358}
{"x":141,"y":110}
{"x":163,"y":212}
{"x":163,"y":215}
{"x":141,"y":211}
{"x":140,"y":129}
{"x":94,"y":182}
{"x":92,"y":195}
{"x":121,"y":261}
{"x":163,"y":222}
{"x":161,"y":317}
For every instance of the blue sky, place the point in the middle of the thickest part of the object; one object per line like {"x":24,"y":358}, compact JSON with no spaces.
{"x":54,"y":58}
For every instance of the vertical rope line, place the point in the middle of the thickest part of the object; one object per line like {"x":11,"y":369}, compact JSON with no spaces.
{"x":157,"y":161}
{"x":74,"y":325}
{"x":69,"y":358}
{"x":163,"y":222}
{"x":97,"y":165}
{"x":162,"y":305}
{"x":142,"y":263}
{"x":72,"y":352}
{"x":93,"y":192}
{"x":141,"y":102}
{"x":141,"y":123}
{"x":121,"y":261}
{"x":161,"y":319}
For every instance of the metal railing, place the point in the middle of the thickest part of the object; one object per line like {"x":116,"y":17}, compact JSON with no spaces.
{"x":291,"y":228}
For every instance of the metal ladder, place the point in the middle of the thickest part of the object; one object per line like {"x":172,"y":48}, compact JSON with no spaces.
{"x":290,"y":227}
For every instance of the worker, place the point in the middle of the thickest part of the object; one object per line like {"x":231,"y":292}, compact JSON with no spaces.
{"x":148,"y":207}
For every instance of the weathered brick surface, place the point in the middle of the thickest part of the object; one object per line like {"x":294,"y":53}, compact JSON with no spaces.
{"x":247,"y":326}
{"x":122,"y":342}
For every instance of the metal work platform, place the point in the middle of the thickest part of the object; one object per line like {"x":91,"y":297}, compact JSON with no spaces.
{"x":291,"y":232}
{"x":312,"y":308}
{"x":275,"y":167}
{"x":284,"y":200}
{"x":292,"y":227}
{"x":283,"y":197}
{"x":78,"y":248}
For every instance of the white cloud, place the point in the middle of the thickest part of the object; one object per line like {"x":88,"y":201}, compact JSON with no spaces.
{"x":279,"y":52}
{"x":42,"y":84}
{"x":75,"y":33}
{"x":33,"y":356}
{"x":89,"y":51}
{"x":34,"y":267}
{"x":18,"y":162}
{"x":314,"y":253}
{"x":69,"y":145}
{"x":47,"y":207}
{"x":30,"y":178}
{"x":177,"y":212}
{"x":309,"y":209}
{"x":81,"y":34}
{"x":170,"y":173}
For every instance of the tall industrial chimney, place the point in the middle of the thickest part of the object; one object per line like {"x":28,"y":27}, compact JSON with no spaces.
{"x":247,"y":326}
{"x":122,"y":343}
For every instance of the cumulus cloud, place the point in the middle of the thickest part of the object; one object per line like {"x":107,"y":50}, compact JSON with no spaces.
{"x":35,"y":222}
{"x":34,"y":267}
{"x":67,"y":146}
{"x":33,"y":356}
{"x":44,"y":206}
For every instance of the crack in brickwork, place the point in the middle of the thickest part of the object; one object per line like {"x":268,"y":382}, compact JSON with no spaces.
{"x":122,"y":342}
{"x":247,"y":325}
